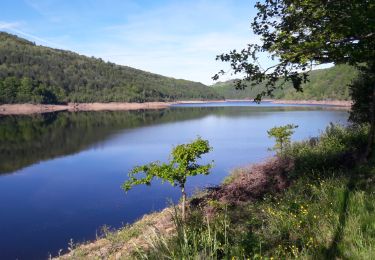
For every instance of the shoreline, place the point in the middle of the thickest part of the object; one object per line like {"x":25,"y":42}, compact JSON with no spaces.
{"x":28,"y":109}
{"x":338,"y":103}
{"x":160,"y":223}
{"x":241,"y":188}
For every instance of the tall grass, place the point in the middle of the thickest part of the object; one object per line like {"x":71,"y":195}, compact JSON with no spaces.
{"x":336,"y":148}
{"x":327,"y":212}
{"x":200,"y":237}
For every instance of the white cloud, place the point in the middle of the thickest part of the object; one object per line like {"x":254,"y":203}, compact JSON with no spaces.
{"x":178,"y":40}
{"x":16,"y":27}
{"x":8,"y":25}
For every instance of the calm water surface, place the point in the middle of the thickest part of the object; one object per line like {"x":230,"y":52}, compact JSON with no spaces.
{"x":60,"y":173}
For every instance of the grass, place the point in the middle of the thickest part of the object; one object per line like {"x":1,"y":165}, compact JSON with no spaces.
{"x":325,"y":209}
{"x":120,"y":243}
{"x":326,"y":212}
{"x":325,"y":218}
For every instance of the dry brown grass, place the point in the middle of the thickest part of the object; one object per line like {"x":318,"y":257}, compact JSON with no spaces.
{"x":247,"y":184}
{"x":121,"y":244}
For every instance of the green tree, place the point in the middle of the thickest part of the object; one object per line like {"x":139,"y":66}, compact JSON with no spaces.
{"x":59,"y":93}
{"x":2,"y":93}
{"x":9,"y":89}
{"x":363,"y":98}
{"x":298,"y":34}
{"x":25,"y":90}
{"x":282,"y":135}
{"x":182,"y":164}
{"x":44,"y":95}
{"x":361,"y":92}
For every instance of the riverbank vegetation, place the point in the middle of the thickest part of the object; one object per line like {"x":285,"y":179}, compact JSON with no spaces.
{"x":313,"y":201}
{"x":326,"y":209}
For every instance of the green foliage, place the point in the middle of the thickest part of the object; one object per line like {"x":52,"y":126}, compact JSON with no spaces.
{"x":182,"y":165}
{"x":301,"y":33}
{"x":197,"y":238}
{"x":327,"y":213}
{"x":361,"y":91}
{"x":307,"y":221}
{"x":324,"y":84}
{"x":26,"y":90}
{"x":8,"y":89}
{"x":335,"y":149}
{"x":320,"y":219}
{"x":37,"y":74}
{"x":282,"y":135}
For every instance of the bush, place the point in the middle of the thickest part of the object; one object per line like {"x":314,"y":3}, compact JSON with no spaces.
{"x":336,"y":148}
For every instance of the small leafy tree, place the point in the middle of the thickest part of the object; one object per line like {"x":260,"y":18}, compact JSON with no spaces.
{"x":282,"y":135}
{"x":182,"y":164}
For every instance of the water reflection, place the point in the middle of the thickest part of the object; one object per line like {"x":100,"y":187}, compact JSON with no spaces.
{"x":25,"y":140}
{"x":84,"y":157}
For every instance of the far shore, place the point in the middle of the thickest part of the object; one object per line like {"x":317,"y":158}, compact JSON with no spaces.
{"x":26,"y":109}
{"x":339,"y":103}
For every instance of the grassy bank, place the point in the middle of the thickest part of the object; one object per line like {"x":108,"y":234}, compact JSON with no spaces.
{"x":314,"y":201}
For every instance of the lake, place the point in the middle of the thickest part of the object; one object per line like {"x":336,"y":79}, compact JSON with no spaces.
{"x":60,"y":173}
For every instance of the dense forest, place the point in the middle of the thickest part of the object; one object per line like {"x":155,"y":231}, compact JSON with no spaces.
{"x":37,"y":74}
{"x":324,"y":84}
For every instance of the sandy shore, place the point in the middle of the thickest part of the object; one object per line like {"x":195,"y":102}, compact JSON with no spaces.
{"x":340,"y":103}
{"x":116,"y":106}
{"x":26,"y":109}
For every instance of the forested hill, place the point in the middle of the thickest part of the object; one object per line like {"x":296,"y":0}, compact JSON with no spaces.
{"x":324,"y":84}
{"x":37,"y":74}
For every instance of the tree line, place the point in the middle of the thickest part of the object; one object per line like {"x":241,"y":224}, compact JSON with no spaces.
{"x":37,"y":74}
{"x":324,"y":84}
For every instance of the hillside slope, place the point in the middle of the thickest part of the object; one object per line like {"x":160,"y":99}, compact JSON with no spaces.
{"x":37,"y":74}
{"x":331,"y":83}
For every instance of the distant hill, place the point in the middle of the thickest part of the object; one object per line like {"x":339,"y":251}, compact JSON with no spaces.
{"x":37,"y":74}
{"x":331,"y":83}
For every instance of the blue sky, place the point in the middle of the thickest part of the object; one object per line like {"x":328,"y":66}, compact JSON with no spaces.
{"x":173,"y":38}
